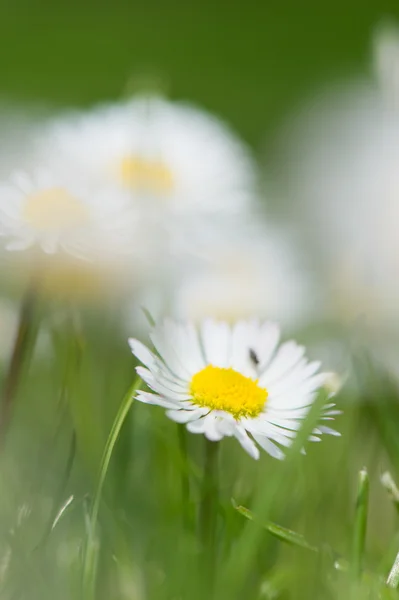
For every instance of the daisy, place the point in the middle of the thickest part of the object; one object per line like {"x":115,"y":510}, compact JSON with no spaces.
{"x":254,"y":270}
{"x":46,"y":211}
{"x":70,"y":233}
{"x":231,"y":381}
{"x":345,"y":181}
{"x":165,"y":154}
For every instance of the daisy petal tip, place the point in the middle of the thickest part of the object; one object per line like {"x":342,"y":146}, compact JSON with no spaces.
{"x":132,"y":344}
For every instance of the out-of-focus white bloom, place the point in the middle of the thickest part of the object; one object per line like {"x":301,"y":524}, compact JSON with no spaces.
{"x":250,"y":272}
{"x":46,"y":211}
{"x":168,"y":155}
{"x":224,"y":381}
{"x":70,"y":236}
{"x":345,"y":180}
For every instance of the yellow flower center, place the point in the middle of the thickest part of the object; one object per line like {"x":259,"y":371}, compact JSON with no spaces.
{"x":54,"y":209}
{"x":152,"y":176}
{"x":226,"y":389}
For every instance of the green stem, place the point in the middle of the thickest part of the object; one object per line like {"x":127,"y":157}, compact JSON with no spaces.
{"x":19,"y":353}
{"x":360,"y":527}
{"x":393,"y":577}
{"x":185,"y":482}
{"x":91,"y":550}
{"x":208,"y":510}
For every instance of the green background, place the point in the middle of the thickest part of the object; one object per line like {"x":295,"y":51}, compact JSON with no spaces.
{"x":250,"y":62}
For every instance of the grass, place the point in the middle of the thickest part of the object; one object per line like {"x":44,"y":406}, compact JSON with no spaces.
{"x":136,"y":530}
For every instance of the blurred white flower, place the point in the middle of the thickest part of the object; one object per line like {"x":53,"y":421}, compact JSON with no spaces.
{"x":70,"y":235}
{"x":168,"y":155}
{"x":345,"y":182}
{"x":46,"y":211}
{"x":251,"y":271}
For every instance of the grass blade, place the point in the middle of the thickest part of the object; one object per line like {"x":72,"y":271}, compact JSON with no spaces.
{"x":91,"y":549}
{"x":281,"y":533}
{"x":389,"y":484}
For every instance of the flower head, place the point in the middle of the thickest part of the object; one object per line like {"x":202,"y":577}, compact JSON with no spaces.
{"x":163,"y":154}
{"x":73,"y":237}
{"x":345,"y":183}
{"x":45,"y":210}
{"x":231,"y":381}
{"x":245,"y":272}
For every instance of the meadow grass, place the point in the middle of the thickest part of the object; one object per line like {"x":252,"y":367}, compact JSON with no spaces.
{"x":106,"y":498}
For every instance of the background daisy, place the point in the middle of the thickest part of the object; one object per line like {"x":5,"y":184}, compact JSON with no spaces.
{"x":170,"y":154}
{"x":345,"y":190}
{"x":68,"y":231}
{"x":251,"y":270}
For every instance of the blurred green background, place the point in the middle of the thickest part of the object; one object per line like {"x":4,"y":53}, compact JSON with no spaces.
{"x":249,"y":62}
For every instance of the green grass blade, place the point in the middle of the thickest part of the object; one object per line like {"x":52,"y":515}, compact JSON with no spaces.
{"x":91,"y":549}
{"x":389,"y":484}
{"x":281,"y":533}
{"x":393,"y":577}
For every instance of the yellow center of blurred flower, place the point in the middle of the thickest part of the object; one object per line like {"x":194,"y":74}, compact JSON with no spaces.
{"x":226,"y":389}
{"x":152,"y":176}
{"x":54,"y":209}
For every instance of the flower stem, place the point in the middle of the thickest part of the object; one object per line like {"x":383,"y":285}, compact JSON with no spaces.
{"x":360,"y":526}
{"x":185,"y":482}
{"x":208,"y":509}
{"x":90,"y":557}
{"x":22,"y":343}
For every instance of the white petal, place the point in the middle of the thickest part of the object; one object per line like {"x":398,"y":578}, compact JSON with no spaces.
{"x":185,"y":345}
{"x":268,"y":446}
{"x":211,"y":430}
{"x":225,"y":422}
{"x":286,"y":358}
{"x":164,"y":342}
{"x":196,"y":426}
{"x":193,"y":350}
{"x":243,"y":341}
{"x":144,"y":355}
{"x":328,"y":431}
{"x":185,"y":416}
{"x":297,"y":376}
{"x":268,"y":339}
{"x":158,"y":387}
{"x":246,"y":442}
{"x":148,"y":398}
{"x":215,"y":336}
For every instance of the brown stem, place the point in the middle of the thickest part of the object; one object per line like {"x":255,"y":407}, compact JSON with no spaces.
{"x":19,"y":352}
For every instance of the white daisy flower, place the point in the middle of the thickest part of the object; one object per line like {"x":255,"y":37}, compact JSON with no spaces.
{"x":73,"y":239}
{"x":344,"y":169}
{"x":163,"y":154}
{"x":251,"y":271}
{"x":46,"y":211}
{"x":232,"y":381}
